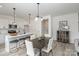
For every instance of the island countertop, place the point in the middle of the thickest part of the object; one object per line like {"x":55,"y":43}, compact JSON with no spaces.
{"x":9,"y":38}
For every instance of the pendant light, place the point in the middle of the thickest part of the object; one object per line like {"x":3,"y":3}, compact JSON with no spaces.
{"x":14,"y":16}
{"x":29,"y":17}
{"x":29,"y":21}
{"x":38,"y":17}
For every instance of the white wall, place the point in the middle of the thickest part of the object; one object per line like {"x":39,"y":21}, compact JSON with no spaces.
{"x":5,"y":20}
{"x":36,"y":27}
{"x":72,"y":22}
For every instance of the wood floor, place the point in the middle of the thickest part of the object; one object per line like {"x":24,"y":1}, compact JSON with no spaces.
{"x":59,"y":49}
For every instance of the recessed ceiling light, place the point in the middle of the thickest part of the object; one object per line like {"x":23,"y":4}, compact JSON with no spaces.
{"x":1,"y":6}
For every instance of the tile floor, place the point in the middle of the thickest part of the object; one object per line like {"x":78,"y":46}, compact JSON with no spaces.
{"x":63,"y":49}
{"x":59,"y":49}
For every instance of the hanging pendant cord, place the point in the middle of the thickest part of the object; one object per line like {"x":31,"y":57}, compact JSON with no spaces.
{"x":29,"y":17}
{"x":14,"y":14}
{"x":38,"y":9}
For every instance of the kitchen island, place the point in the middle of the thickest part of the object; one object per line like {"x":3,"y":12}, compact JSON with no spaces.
{"x":16,"y":38}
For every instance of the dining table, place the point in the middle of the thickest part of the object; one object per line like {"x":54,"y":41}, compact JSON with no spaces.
{"x":40,"y":43}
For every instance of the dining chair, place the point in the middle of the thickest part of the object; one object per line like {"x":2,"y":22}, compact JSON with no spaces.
{"x":13,"y":45}
{"x":21,"y":42}
{"x":49,"y":47}
{"x":30,"y":50}
{"x":47,"y":35}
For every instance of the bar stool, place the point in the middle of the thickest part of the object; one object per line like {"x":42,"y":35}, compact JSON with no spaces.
{"x":20,"y":42}
{"x":14,"y":42}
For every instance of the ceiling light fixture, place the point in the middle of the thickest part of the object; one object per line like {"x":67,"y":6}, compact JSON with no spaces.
{"x":14,"y":16}
{"x":38,"y":17}
{"x":29,"y":17}
{"x":29,"y":21}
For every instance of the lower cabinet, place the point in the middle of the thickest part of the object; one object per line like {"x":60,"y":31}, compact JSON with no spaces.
{"x":63,"y":36}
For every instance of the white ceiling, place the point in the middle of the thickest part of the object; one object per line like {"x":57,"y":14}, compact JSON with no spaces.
{"x":54,"y":9}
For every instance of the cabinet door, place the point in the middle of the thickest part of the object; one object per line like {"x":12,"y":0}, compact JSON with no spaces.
{"x":63,"y":36}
